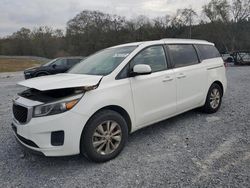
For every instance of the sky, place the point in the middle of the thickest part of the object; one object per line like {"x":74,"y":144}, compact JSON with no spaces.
{"x":15,"y":14}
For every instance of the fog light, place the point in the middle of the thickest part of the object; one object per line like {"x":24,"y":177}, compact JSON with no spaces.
{"x":57,"y":138}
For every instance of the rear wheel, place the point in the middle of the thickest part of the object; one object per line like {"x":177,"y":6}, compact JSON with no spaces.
{"x":213,"y":100}
{"x":104,"y":136}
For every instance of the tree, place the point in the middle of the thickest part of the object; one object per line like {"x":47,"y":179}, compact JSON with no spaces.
{"x":217,"y":10}
{"x":22,"y":44}
{"x":160,"y":26}
{"x":90,"y":31}
{"x":240,"y":10}
{"x":184,"y":17}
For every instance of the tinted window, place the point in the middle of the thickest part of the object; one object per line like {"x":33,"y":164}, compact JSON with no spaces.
{"x":208,"y":51}
{"x":72,"y":62}
{"x":153,"y":56}
{"x":50,"y":62}
{"x":60,"y":62}
{"x":103,"y":62}
{"x":183,"y":55}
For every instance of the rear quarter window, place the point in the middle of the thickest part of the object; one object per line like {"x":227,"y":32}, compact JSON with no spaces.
{"x":207,"y":51}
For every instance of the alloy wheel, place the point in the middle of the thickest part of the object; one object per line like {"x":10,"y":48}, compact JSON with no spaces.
{"x":107,"y":137}
{"x":215,"y":98}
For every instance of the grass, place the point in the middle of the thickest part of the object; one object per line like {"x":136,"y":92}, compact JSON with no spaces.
{"x":16,"y":64}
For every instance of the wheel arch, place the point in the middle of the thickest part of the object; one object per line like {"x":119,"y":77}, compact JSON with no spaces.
{"x":122,"y":112}
{"x":42,"y":72}
{"x":220,"y":84}
{"x":117,"y":109}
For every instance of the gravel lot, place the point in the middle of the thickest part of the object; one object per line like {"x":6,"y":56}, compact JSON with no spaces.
{"x":191,"y":150}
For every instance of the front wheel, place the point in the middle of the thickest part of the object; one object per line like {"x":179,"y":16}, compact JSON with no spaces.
{"x":213,"y":100}
{"x":104,"y":136}
{"x":41,"y":74}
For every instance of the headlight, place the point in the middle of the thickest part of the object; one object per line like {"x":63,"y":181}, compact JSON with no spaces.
{"x":29,"y":71}
{"x":56,"y":107}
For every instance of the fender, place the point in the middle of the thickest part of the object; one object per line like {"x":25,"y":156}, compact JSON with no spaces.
{"x":42,"y":72}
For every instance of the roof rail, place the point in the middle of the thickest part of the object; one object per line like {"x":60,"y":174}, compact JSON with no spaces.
{"x":183,"y":39}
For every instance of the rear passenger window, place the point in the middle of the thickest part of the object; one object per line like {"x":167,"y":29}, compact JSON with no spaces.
{"x":207,"y":51}
{"x":183,"y":55}
{"x":153,"y":56}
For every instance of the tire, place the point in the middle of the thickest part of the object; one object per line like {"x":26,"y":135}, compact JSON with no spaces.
{"x":99,"y":146}
{"x":213,"y":100}
{"x":41,"y":74}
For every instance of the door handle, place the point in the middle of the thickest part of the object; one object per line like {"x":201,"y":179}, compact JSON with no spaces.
{"x":167,"y":79}
{"x":181,"y":75}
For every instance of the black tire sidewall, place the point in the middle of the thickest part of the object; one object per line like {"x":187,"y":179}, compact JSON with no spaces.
{"x":41,"y":74}
{"x":87,"y":148}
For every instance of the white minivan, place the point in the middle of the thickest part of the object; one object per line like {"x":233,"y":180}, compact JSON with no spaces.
{"x":92,"y":109}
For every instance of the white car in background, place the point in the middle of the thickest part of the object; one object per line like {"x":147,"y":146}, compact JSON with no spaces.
{"x":92,"y":109}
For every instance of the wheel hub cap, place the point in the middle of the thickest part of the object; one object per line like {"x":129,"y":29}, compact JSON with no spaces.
{"x":215,"y":98}
{"x":107,"y":137}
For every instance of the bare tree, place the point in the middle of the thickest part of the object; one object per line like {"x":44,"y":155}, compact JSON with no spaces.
{"x":141,"y":21}
{"x":240,"y":10}
{"x":90,"y":31}
{"x":162,"y":22}
{"x":217,"y":10}
{"x":184,"y":17}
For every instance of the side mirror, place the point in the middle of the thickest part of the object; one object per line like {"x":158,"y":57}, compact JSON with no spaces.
{"x":141,"y":69}
{"x":54,"y":66}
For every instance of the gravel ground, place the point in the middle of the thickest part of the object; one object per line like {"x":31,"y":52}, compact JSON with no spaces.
{"x":190,"y":150}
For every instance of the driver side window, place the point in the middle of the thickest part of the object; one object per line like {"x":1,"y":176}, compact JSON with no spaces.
{"x":153,"y":56}
{"x":60,"y":62}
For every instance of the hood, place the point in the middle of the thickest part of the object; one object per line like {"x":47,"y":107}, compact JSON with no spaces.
{"x":60,"y":81}
{"x":32,"y":68}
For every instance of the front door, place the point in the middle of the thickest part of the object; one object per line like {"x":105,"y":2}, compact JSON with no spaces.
{"x":154,"y":95}
{"x":59,"y":66}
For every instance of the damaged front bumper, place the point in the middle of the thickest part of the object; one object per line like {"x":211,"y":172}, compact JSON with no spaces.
{"x":57,"y":133}
{"x":38,"y":133}
{"x":54,"y":135}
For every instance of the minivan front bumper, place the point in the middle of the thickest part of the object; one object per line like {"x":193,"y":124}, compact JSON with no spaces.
{"x":40,"y":134}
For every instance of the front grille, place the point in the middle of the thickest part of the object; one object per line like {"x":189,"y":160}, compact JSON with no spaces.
{"x":20,"y":113}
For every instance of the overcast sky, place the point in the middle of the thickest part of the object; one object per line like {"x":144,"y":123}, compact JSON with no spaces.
{"x":15,"y":14}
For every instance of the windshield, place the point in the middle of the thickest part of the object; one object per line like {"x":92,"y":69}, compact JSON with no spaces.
{"x":103,"y":62}
{"x":50,"y":62}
